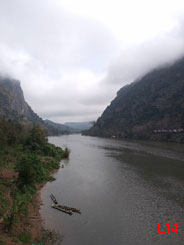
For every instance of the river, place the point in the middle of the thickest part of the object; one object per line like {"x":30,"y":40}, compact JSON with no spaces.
{"x":123,"y":188}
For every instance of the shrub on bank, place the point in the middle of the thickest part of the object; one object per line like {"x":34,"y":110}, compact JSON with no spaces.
{"x":66,"y":152}
{"x":29,"y":170}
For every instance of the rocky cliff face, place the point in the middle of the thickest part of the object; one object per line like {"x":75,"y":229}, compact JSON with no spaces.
{"x":12,"y":103}
{"x":149,"y":108}
{"x":13,"y":106}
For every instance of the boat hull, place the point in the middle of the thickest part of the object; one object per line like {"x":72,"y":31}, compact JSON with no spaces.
{"x":61,"y":209}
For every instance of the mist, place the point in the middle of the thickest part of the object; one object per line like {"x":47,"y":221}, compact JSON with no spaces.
{"x":72,"y":59}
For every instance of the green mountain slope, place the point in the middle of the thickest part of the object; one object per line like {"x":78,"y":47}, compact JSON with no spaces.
{"x":149,"y":108}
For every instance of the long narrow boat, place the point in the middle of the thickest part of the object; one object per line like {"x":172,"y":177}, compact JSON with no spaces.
{"x":71,"y":209}
{"x":63,"y":208}
{"x":53,"y":198}
{"x":59,"y":207}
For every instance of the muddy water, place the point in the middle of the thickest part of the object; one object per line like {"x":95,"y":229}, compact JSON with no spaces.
{"x":124,"y":189}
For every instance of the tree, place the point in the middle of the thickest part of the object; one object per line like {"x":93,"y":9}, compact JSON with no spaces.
{"x":36,"y":139}
{"x":29,"y":170}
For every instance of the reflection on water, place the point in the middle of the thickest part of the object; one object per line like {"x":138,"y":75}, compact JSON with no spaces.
{"x":124,"y":189}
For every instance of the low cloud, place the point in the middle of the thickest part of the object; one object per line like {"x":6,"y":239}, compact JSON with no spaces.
{"x":138,"y":60}
{"x":71,"y":66}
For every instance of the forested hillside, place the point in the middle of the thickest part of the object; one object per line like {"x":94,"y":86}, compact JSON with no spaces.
{"x":149,"y":108}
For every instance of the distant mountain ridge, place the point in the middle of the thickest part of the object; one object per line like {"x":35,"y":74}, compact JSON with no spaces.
{"x":79,"y":125}
{"x":60,"y":128}
{"x":149,"y":108}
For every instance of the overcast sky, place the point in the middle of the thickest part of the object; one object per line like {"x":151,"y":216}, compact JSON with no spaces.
{"x":72,"y":56}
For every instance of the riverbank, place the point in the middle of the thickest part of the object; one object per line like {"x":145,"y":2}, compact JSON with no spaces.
{"x":28,"y":228}
{"x":25,"y":165}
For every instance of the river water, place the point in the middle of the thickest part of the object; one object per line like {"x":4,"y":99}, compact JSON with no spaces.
{"x":123,"y":188}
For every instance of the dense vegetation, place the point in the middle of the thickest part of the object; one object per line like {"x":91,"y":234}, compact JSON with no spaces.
{"x":26,"y":160}
{"x":152,"y":103}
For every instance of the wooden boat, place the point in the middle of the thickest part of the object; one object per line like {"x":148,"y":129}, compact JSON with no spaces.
{"x":53,"y":198}
{"x":71,"y":209}
{"x":63,"y":208}
{"x":59,"y":207}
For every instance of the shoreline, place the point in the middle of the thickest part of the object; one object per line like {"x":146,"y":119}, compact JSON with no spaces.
{"x":37,"y":223}
{"x":26,"y":165}
{"x":32,"y":222}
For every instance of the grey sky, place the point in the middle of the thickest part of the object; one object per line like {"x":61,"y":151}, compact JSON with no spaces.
{"x":73,"y":56}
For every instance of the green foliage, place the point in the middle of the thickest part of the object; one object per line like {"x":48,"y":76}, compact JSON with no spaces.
{"x":37,"y":160}
{"x":9,"y":132}
{"x":2,"y":243}
{"x":9,"y":220}
{"x":4,"y":203}
{"x":66,"y":152}
{"x":21,"y":201}
{"x":25,"y":149}
{"x":29,"y":170}
{"x":36,"y":139}
{"x":34,"y":169}
{"x":20,"y":204}
{"x":28,"y":152}
{"x":25,"y":236}
{"x":53,"y":151}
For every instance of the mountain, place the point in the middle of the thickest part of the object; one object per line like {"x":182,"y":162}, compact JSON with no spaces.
{"x":60,"y":128}
{"x":150,"y":108}
{"x":12,"y":103}
{"x":79,"y":125}
{"x":14,"y":107}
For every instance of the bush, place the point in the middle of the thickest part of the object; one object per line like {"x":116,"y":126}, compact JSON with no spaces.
{"x":66,"y":153}
{"x":9,"y":220}
{"x":50,"y":150}
{"x":24,"y":236}
{"x":36,"y":139}
{"x":29,"y":170}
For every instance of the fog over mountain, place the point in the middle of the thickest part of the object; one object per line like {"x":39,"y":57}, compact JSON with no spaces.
{"x":73,"y":56}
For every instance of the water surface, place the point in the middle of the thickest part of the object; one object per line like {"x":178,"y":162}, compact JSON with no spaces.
{"x":123,"y":188}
